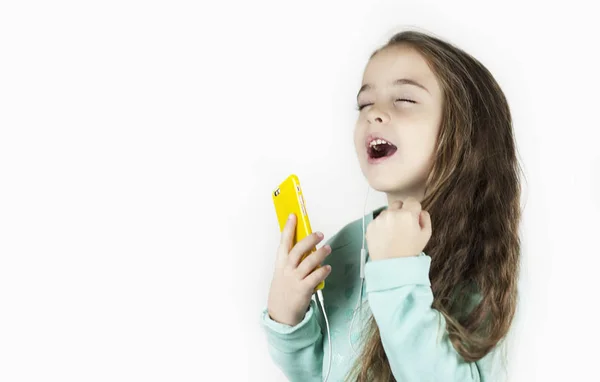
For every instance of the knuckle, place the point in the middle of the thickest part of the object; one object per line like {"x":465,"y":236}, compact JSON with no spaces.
{"x":405,"y":215}
{"x":318,"y":260}
{"x":291,"y":253}
{"x":305,"y":285}
{"x":298,"y":279}
{"x":319,"y":253}
{"x":309,"y":261}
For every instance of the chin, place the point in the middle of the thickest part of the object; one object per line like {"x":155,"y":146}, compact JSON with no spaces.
{"x":392,"y":184}
{"x":384,"y":183}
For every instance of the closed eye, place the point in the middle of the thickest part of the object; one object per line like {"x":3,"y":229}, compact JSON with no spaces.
{"x":360,"y":107}
{"x":406,"y":100}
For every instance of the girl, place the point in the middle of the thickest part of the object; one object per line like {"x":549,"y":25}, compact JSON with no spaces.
{"x":434,"y":132}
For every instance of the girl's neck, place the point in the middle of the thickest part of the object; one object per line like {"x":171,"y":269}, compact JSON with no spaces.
{"x":418,"y":194}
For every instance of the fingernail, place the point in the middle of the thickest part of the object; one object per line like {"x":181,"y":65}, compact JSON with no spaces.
{"x":328,"y":267}
{"x":328,"y":248}
{"x":319,"y":235}
{"x":291,"y":217}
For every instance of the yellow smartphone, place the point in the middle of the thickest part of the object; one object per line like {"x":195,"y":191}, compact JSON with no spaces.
{"x":288,"y":199}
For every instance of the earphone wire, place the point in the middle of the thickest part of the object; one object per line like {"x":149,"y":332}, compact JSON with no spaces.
{"x":363,"y":256}
{"x":322,"y":303}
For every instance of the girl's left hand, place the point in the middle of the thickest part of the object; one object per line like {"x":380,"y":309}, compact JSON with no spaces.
{"x":402,"y":230}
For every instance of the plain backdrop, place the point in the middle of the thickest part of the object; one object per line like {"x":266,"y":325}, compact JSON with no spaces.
{"x":140,"y":142}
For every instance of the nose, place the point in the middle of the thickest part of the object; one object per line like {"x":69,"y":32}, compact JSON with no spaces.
{"x":377,"y":116}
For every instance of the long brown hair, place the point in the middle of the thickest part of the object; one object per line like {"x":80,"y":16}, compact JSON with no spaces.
{"x":473,"y":196}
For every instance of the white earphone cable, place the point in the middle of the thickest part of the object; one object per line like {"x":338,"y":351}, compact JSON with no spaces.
{"x":363,"y":260}
{"x":322,"y":303}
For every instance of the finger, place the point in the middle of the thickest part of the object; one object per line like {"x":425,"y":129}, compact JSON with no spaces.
{"x":311,"y":281}
{"x":425,"y":222}
{"x":302,"y":247}
{"x":287,"y":236}
{"x":385,"y":213}
{"x":312,"y":261}
{"x":411,"y":204}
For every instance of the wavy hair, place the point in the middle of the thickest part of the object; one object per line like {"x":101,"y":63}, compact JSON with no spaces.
{"x":473,"y":196}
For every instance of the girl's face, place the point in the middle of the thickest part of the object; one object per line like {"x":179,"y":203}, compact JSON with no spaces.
{"x":400,"y":102}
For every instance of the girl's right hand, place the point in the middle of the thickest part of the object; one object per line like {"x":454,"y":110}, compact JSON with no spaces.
{"x":294,"y":280}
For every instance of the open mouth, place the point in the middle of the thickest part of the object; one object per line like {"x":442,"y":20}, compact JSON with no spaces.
{"x":380,"y":148}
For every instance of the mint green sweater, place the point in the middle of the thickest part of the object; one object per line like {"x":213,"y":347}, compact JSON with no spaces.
{"x":397,"y":293}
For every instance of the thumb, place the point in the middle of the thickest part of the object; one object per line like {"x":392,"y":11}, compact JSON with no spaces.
{"x":287,"y":238}
{"x":396,"y":205}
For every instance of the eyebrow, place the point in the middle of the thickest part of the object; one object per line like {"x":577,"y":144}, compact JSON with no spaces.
{"x":401,"y":81}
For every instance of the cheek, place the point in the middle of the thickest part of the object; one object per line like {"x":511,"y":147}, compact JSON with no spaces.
{"x":420,"y":143}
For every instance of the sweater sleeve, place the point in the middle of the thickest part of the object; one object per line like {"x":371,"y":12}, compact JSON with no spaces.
{"x":413,"y":334}
{"x":296,"y":350}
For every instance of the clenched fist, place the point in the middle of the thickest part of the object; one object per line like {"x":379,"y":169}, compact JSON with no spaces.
{"x":400,"y":231}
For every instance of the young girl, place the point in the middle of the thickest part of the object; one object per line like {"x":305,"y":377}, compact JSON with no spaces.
{"x":434,"y":132}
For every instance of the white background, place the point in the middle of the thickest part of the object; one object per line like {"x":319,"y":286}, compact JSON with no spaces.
{"x":140,"y":142}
